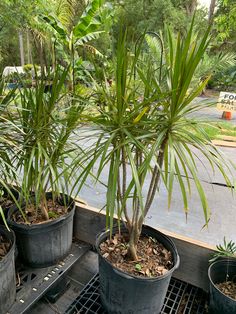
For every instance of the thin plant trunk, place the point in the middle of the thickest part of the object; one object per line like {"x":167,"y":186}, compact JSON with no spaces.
{"x":44,"y":209}
{"x":124,"y":178}
{"x":133,"y":236}
{"x":138,"y":216}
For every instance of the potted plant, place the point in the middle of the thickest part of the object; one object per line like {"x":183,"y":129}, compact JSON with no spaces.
{"x":43,"y":217}
{"x":8,"y":144}
{"x":222,"y":277}
{"x":7,"y":238}
{"x":145,"y":133}
{"x":7,"y":269}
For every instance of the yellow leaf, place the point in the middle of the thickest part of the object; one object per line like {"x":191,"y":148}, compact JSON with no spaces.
{"x":138,"y":118}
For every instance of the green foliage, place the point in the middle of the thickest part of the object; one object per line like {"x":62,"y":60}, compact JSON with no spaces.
{"x":85,"y":29}
{"x":227,"y":249}
{"x":144,"y":129}
{"x":53,"y":215}
{"x":15,"y":16}
{"x":217,"y":130}
{"x":30,"y":67}
{"x":47,"y":122}
{"x":7,"y":129}
{"x":215,"y":64}
{"x":15,"y":77}
{"x":66,"y":11}
{"x":224,"y":80}
{"x":225,"y":22}
{"x":153,"y":15}
{"x":8,"y":143}
{"x":80,"y":34}
{"x":138,"y":267}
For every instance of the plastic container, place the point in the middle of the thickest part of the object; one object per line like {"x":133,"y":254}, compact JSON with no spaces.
{"x":44,"y":244}
{"x":7,"y":274}
{"x":127,"y":294}
{"x":227,"y":115}
{"x":217,"y":272}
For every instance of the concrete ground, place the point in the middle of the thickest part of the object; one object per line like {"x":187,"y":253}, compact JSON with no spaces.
{"x":220,"y":198}
{"x":211,"y":113}
{"x":222,"y":204}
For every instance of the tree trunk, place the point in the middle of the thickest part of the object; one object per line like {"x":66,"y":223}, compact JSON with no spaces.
{"x":29,"y":53}
{"x":53,"y":53}
{"x":21,"y":45}
{"x":211,"y":11}
{"x":41,"y":58}
{"x":190,"y":6}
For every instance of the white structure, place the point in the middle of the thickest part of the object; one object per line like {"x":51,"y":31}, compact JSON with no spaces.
{"x":9,"y":70}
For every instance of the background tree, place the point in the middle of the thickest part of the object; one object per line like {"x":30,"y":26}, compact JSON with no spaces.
{"x":211,"y":10}
{"x":225,"y":23}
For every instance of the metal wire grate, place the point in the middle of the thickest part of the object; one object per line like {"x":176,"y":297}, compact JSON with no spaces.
{"x":181,"y":298}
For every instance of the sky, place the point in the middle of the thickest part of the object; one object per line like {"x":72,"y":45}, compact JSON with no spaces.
{"x":205,"y":3}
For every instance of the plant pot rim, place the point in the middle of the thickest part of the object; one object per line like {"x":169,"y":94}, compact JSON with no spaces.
{"x":220,"y":261}
{"x":36,"y":225}
{"x":14,"y":209}
{"x":131,"y":276}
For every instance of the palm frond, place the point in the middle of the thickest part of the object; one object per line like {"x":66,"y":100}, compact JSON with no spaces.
{"x":66,"y":10}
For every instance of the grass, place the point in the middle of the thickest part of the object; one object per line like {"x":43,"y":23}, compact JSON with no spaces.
{"x":216,"y":130}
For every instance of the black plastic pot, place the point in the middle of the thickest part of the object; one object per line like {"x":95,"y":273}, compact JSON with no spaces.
{"x":44,"y":244}
{"x":126,"y":294}
{"x":7,"y":274}
{"x":217,"y":272}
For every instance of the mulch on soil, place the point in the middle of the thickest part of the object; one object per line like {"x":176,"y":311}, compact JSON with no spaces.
{"x":54,"y":209}
{"x":153,"y":258}
{"x":6,"y":203}
{"x":228,"y":288}
{"x":5,"y":246}
{"x":6,"y":200}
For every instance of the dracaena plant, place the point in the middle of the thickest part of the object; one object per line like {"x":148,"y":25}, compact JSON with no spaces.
{"x":48,"y":121}
{"x":145,"y":132}
{"x":8,"y":143}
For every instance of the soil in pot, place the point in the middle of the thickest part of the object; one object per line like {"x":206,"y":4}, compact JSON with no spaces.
{"x":228,"y":288}
{"x":154,"y":259}
{"x":34,"y":216}
{"x":6,"y":202}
